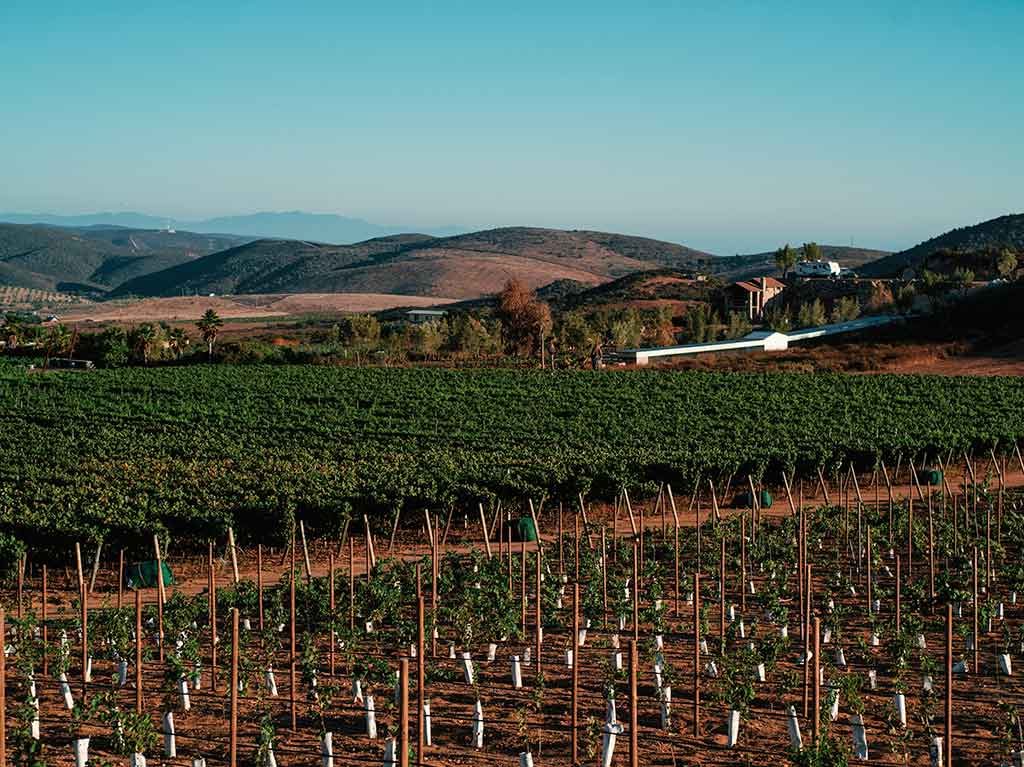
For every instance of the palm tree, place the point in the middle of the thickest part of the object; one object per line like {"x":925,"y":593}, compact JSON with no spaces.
{"x":209,"y":325}
{"x":177,"y":339}
{"x":142,"y":339}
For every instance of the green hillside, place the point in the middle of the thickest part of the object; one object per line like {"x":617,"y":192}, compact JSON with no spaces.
{"x":94,"y":258}
{"x":992,"y":235}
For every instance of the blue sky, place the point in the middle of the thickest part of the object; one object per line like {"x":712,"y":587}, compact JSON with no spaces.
{"x":729,"y":126}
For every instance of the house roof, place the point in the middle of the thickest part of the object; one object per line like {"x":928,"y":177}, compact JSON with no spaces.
{"x":745,"y":286}
{"x":754,"y":286}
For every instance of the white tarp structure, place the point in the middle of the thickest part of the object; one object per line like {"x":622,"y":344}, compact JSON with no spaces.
{"x":758,"y":341}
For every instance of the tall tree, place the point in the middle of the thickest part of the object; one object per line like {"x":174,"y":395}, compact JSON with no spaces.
{"x":811,"y":251}
{"x":785,"y":258}
{"x":1006,"y":262}
{"x":55,"y":342}
{"x":209,"y":326}
{"x":525,"y":321}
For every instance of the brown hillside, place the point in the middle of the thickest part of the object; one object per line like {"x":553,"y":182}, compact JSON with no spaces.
{"x":464,"y":266}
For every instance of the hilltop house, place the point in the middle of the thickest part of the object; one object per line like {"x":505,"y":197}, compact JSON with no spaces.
{"x":751,"y":297}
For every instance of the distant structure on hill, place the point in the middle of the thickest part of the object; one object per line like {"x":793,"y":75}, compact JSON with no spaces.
{"x":425,"y":315}
{"x":751,"y":297}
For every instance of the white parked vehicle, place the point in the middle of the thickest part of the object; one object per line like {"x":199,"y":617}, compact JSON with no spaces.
{"x":817,"y":269}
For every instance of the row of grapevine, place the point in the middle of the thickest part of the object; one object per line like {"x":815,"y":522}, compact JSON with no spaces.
{"x":115,"y":455}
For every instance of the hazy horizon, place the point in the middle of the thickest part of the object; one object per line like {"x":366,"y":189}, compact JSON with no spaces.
{"x":74,"y":218}
{"x":729,"y":130}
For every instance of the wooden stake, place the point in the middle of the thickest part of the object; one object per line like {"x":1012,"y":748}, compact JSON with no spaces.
{"x":696,"y":654}
{"x":78,"y":564}
{"x":371,"y":556}
{"x":213,"y":619}
{"x":931,"y":549}
{"x":807,"y":640}
{"x":675,"y":543}
{"x":522,"y":585}
{"x":714,"y":502}
{"x":21,"y":587}
{"x":899,"y":579}
{"x":561,"y":543}
{"x":536,"y":523}
{"x":332,"y":605}
{"x":138,"y":651}
{"x":824,"y":487}
{"x":352,"y":585}
{"x":634,"y":744}
{"x":629,"y":510}
{"x":483,"y":526}
{"x":721,"y":595}
{"x":948,"y":742}
{"x":817,"y":680}
{"x":85,"y":643}
{"x":159,"y":596}
{"x":232,"y":550}
{"x":636,"y":590}
{"x":403,"y":709}
{"x":394,"y":528}
{"x":574,"y":712}
{"x":604,"y":574}
{"x":120,"y":580}
{"x":789,"y":493}
{"x":870,"y":602}
{"x":538,"y":607}
{"x":259,"y":585}
{"x":421,"y":679}
{"x":233,"y":726}
{"x":430,"y":529}
{"x":95,"y":567}
{"x":3,"y":689}
{"x":974,"y":561}
{"x":43,"y":607}
{"x":293,"y":651}
{"x":305,"y":552}
{"x":743,"y":562}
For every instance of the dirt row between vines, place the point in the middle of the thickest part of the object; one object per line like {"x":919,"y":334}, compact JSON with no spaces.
{"x":763,"y":737}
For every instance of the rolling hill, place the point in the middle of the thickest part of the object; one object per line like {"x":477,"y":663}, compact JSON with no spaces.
{"x":1002,"y":232}
{"x":95,"y":259}
{"x":462,"y":266}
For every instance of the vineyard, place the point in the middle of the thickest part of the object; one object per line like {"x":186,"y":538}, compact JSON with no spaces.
{"x":862,"y":618}
{"x":21,"y":298}
{"x":189,"y":451}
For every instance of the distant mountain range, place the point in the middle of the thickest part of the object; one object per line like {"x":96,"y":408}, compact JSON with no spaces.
{"x":293,"y":225}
